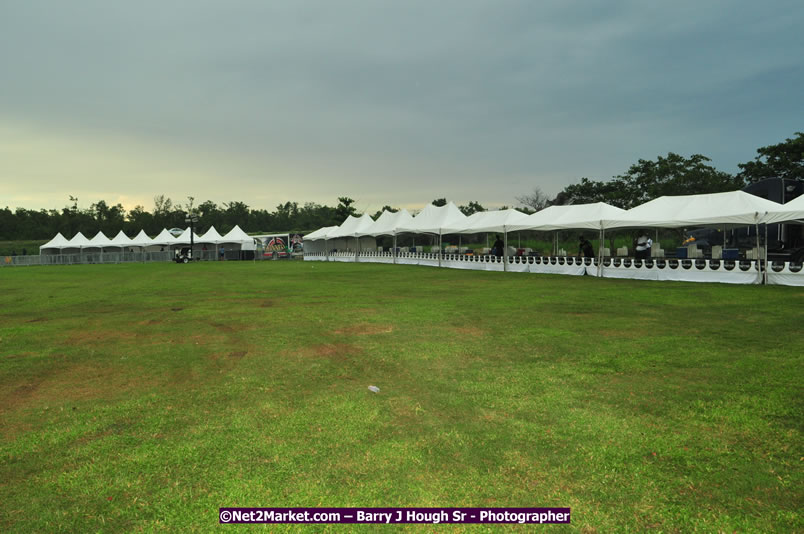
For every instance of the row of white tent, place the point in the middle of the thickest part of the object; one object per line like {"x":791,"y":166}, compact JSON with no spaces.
{"x":722,"y":210}
{"x":165,"y":239}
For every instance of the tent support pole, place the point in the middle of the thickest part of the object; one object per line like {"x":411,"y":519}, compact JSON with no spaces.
{"x":439,"y":248}
{"x":600,"y":252}
{"x":326,"y":249}
{"x":759,"y":266}
{"x":394,"y":250}
{"x":765,"y":271}
{"x":505,"y":249}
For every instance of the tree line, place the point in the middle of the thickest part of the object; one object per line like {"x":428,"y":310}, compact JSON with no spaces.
{"x":645,"y":180}
{"x":676,"y":175}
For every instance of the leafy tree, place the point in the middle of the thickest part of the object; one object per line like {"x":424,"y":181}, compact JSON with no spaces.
{"x":344,"y":209}
{"x":472,"y":207}
{"x":440,"y":202}
{"x":384,"y":208}
{"x":646,"y":180}
{"x":589,"y":191}
{"x":783,"y":160}
{"x":286,"y":214}
{"x":109,"y":218}
{"x":162,"y":212}
{"x":235,"y":214}
{"x":139,"y":219}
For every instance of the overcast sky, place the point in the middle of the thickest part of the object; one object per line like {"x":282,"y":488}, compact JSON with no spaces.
{"x":388,"y":102}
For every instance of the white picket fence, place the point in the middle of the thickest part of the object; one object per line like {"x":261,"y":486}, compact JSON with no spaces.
{"x":686,"y":270}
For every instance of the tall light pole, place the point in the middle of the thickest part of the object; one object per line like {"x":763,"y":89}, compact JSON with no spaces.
{"x":192,"y":218}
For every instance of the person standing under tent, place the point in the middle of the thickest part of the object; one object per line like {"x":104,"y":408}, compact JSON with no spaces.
{"x":643,"y":246}
{"x":585,"y":248}
{"x":498,"y":247}
{"x":222,"y":253}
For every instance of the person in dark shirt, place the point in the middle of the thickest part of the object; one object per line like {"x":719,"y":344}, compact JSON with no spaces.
{"x":585,"y":248}
{"x":498,"y":247}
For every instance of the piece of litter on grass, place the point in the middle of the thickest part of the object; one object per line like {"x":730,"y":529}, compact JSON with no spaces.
{"x":375,"y":389}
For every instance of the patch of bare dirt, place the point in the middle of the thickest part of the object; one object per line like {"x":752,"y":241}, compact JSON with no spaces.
{"x":365,"y":329}
{"x":96,"y":336}
{"x":61,"y":385}
{"x":335,"y":351}
{"x":469,"y":331}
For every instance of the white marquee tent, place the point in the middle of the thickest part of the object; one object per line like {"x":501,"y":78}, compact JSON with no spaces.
{"x":734,"y":208}
{"x":211,"y":236}
{"x":184,"y":238}
{"x":320,"y":234}
{"x":570,"y":216}
{"x":318,"y":241}
{"x":57,"y":243}
{"x":433,"y":220}
{"x":238,"y":237}
{"x":792,"y":211}
{"x":388,"y":223}
{"x":121,"y":240}
{"x":164,"y":238}
{"x":354,"y":227}
{"x":99,"y":241}
{"x":78,"y":242}
{"x":488,"y":221}
{"x":141,"y":240}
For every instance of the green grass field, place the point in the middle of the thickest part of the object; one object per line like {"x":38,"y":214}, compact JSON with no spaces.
{"x":144,"y":397}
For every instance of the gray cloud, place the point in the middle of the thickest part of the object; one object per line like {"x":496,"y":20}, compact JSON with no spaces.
{"x":394,"y":102}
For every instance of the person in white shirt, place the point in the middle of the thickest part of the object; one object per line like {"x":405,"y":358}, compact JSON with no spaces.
{"x":643,"y":245}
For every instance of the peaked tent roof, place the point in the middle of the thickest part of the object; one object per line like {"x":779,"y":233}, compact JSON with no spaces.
{"x":734,"y":208}
{"x":433,"y":219}
{"x":587,"y":216}
{"x":59,"y":242}
{"x":78,"y":241}
{"x":120,"y":240}
{"x":543,"y":219}
{"x":236,"y":235}
{"x":211,"y":236}
{"x":321,"y":233}
{"x":388,"y":223}
{"x":352,"y":227}
{"x":100,"y":240}
{"x":791,"y":211}
{"x":569,"y":216}
{"x":487,"y":221}
{"x":185,"y":237}
{"x":141,"y":240}
{"x":164,"y":238}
